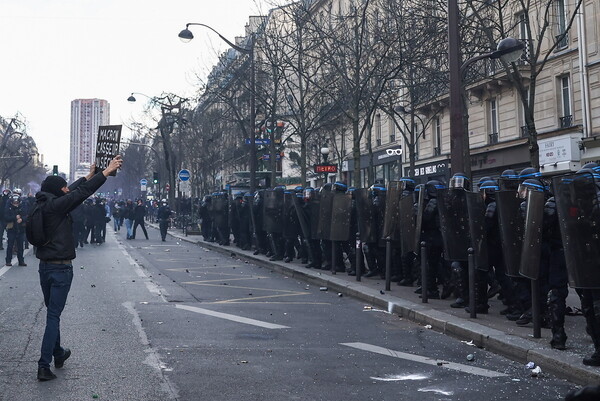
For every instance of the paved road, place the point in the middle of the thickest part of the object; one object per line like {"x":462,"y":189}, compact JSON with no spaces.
{"x":151,"y":320}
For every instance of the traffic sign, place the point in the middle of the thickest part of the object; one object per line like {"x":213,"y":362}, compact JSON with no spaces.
{"x":143,"y":181}
{"x":258,"y":141}
{"x":184,"y":175}
{"x":325,"y":168}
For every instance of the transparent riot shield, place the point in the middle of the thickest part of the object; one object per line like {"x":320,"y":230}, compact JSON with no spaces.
{"x":366,"y":218}
{"x":340,"y":217}
{"x":578,"y":207}
{"x":476,"y":208}
{"x":290,"y":225}
{"x":511,"y":230}
{"x":407,"y":224}
{"x":454,"y":223}
{"x":314,"y":208}
{"x":273,"y":211}
{"x":391,"y":217}
{"x":324,"y":225}
{"x":531,"y":252}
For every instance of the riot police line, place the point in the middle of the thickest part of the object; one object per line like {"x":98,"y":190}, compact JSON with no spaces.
{"x":520,"y":236}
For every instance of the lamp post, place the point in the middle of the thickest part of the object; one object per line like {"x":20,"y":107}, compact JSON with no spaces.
{"x":509,"y":50}
{"x":172,"y":115}
{"x":186,"y":35}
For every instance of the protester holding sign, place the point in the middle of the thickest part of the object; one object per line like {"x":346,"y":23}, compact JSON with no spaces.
{"x":56,"y":200}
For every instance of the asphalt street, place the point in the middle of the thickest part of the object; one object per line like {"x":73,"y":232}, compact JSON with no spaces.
{"x":152,"y":320}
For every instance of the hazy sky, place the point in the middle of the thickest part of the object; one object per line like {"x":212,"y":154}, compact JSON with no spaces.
{"x":54,"y":51}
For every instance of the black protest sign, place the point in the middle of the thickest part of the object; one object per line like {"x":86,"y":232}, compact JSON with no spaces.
{"x":107,"y":146}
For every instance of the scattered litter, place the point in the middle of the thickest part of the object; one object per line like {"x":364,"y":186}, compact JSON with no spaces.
{"x":187,"y":270}
{"x":537,"y":371}
{"x":381,"y":292}
{"x":250,"y":294}
{"x":225,"y":284}
{"x":167,"y":250}
{"x":95,"y":396}
{"x":470,"y":357}
{"x":433,"y":390}
{"x":93,"y":285}
{"x":177,"y":243}
{"x":340,"y":294}
{"x":367,"y":307}
{"x":440,"y":363}
{"x":82,"y":267}
{"x":516,"y":380}
{"x":133,"y":281}
{"x":428,"y":326}
{"x":323,"y":289}
{"x":144,"y":302}
{"x":245,"y":261}
{"x":393,"y":378}
{"x":307,"y":288}
{"x":530,"y":365}
{"x":468,"y":343}
{"x":244,"y":361}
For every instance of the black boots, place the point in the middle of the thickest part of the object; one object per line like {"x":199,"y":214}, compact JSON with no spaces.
{"x":45,"y":374}
{"x":556,"y":311}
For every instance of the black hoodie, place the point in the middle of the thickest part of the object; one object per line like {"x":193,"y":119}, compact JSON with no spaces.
{"x":57,"y":220}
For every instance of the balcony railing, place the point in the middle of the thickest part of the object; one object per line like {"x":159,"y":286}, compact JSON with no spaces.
{"x":524,"y":131}
{"x":378,"y":142}
{"x":437,"y":151}
{"x":566,"y":121}
{"x":392,"y":138}
{"x":493,"y":138}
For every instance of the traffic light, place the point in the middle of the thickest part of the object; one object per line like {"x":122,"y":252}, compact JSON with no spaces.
{"x":155,"y":177}
{"x":55,"y":170}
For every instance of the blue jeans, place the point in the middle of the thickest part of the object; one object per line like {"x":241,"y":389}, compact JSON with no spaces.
{"x":129,"y":226}
{"x":55,"y":281}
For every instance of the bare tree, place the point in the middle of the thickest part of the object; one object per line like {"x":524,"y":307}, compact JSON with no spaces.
{"x":543,"y":25}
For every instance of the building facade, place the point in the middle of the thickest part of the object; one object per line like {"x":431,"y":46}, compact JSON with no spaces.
{"x":86,"y":116}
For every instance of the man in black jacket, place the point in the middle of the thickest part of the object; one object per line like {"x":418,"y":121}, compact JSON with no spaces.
{"x":56,"y":268}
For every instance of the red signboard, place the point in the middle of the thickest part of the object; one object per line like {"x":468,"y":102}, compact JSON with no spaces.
{"x":325,"y":168}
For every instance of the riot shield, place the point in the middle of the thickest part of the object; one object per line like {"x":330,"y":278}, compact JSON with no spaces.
{"x":407,"y":224}
{"x":366,"y":218}
{"x":578,"y":207}
{"x":220,"y":210}
{"x":314,"y":207}
{"x":419,"y":218}
{"x":340,"y":217}
{"x":273,"y":211}
{"x":290,"y":224}
{"x":531,"y":252}
{"x":511,"y":223}
{"x":454,"y":223}
{"x":326,"y":205}
{"x":391,"y":217}
{"x":476,"y":207}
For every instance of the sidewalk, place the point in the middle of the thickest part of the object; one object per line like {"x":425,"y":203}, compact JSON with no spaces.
{"x":492,"y":331}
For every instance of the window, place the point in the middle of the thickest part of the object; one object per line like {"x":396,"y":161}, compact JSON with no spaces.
{"x":561,"y":24}
{"x":378,"y":129}
{"x":392,"y":130}
{"x":437,"y":137}
{"x":566,"y":119}
{"x":493,"y":118}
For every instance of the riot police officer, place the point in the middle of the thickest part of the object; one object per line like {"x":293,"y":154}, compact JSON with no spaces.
{"x":15,"y":229}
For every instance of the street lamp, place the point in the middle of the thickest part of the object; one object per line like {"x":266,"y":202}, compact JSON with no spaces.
{"x":186,"y":35}
{"x":325,"y":153}
{"x":169,"y":120}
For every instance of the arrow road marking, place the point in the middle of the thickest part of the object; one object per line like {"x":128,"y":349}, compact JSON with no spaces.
{"x":428,"y":361}
{"x":233,"y":318}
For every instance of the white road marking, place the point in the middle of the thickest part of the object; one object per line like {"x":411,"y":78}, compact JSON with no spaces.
{"x":395,"y":378}
{"x":428,"y":361}
{"x":152,"y":358}
{"x":435,"y":390}
{"x":150,"y":285}
{"x":233,"y":318}
{"x":7,"y":268}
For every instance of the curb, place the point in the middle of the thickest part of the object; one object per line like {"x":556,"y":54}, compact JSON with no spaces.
{"x":559,"y":363}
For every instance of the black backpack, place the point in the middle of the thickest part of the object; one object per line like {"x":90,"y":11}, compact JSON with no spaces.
{"x":34,"y":227}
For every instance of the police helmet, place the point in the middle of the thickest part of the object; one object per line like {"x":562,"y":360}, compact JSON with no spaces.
{"x":432,"y":188}
{"x":530,"y":184}
{"x":407,"y":184}
{"x":308,"y":194}
{"x":460,"y":181}
{"x":6,"y":191}
{"x":529,"y":172}
{"x":326,"y":187}
{"x":340,"y":186}
{"x":17,"y":191}
{"x":482,"y":180}
{"x":15,"y":199}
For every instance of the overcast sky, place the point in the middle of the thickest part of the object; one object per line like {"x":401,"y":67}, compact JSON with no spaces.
{"x":54,"y":51}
